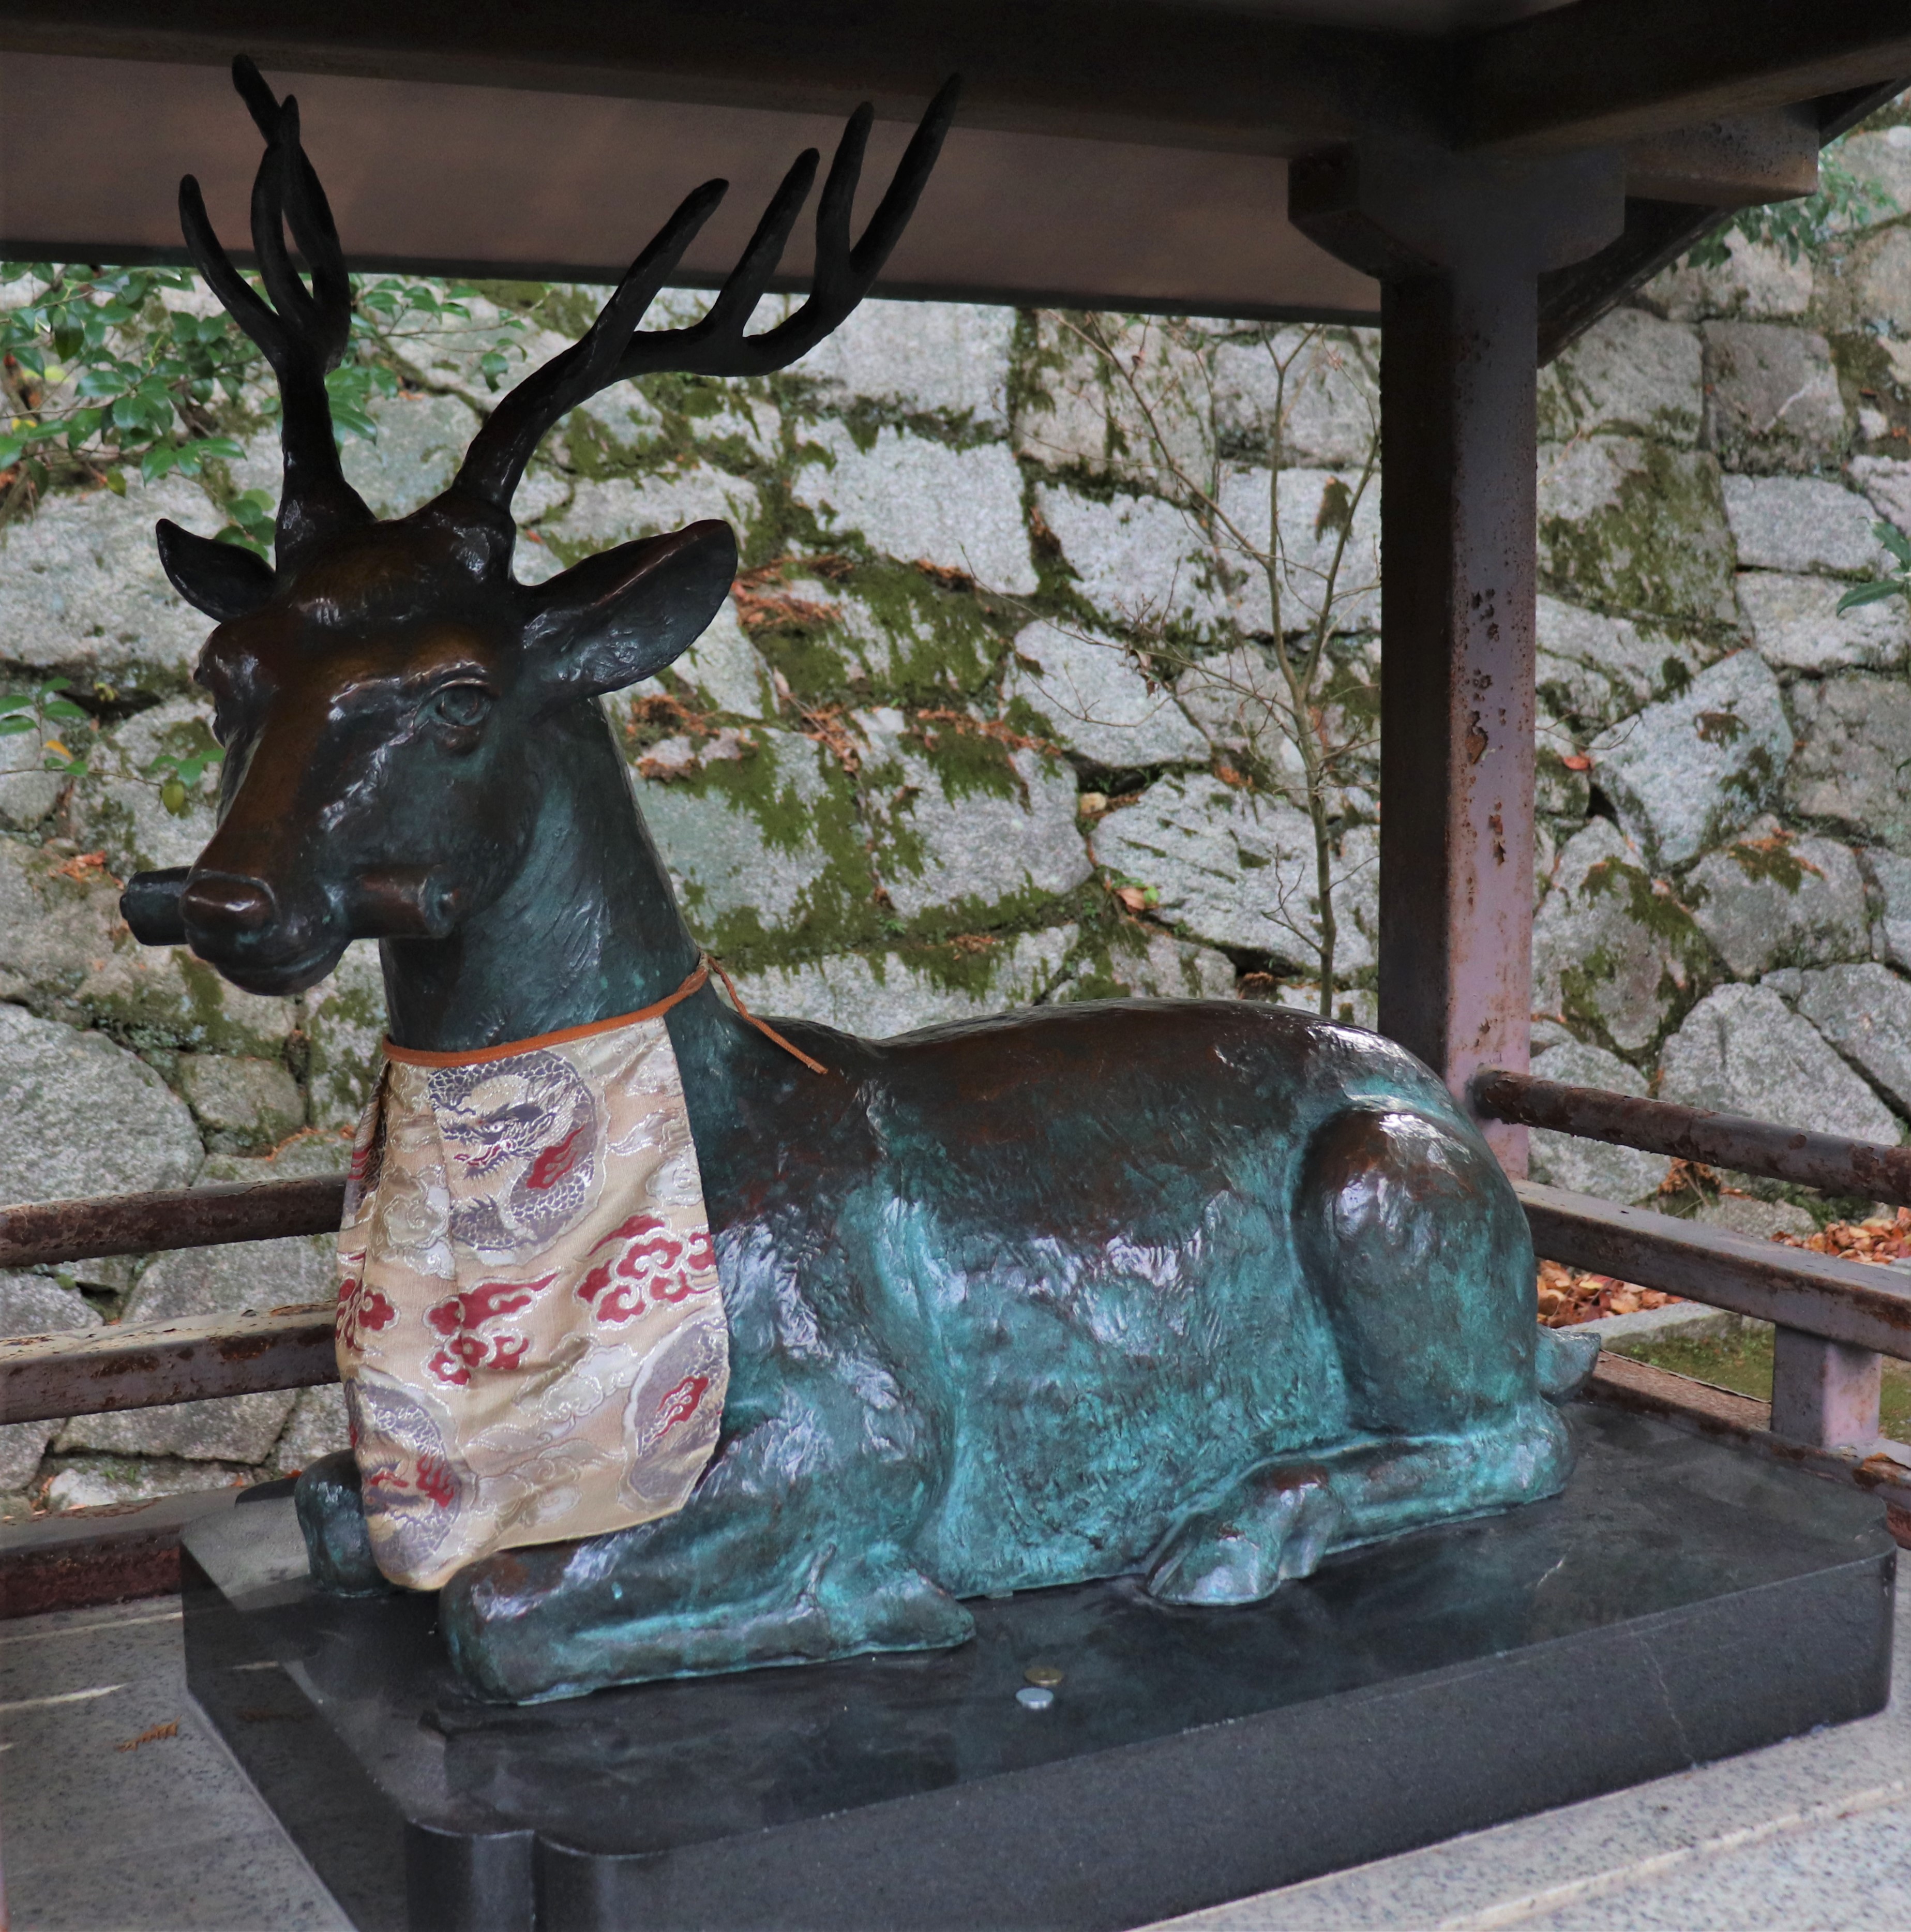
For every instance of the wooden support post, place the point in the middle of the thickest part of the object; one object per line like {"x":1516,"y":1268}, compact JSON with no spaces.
{"x":1457,"y":408}
{"x":1459,"y":244}
{"x":1824,"y":1394}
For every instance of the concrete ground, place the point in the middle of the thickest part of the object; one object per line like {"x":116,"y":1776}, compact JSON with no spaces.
{"x":100,"y":1834}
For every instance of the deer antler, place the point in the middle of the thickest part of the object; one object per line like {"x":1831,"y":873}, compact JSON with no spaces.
{"x":614,"y":349}
{"x":303,"y":334}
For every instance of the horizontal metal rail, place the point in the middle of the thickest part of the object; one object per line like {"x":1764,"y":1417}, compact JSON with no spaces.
{"x":137,"y":1365}
{"x":142,"y":1364}
{"x":1832,"y":1319}
{"x":1859,"y":1303}
{"x":184,"y":1217}
{"x":1830,"y":1161}
{"x":63,"y":1231}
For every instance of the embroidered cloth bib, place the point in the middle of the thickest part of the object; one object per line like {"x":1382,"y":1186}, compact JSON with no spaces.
{"x":530,"y":1331}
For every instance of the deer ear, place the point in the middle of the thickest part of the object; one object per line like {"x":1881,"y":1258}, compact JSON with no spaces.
{"x":225,"y":580}
{"x":622,"y":616}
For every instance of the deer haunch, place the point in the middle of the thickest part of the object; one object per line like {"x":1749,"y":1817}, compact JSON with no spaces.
{"x":1200,"y":1291}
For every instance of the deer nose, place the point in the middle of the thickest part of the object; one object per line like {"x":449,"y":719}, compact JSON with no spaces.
{"x":228,"y":902}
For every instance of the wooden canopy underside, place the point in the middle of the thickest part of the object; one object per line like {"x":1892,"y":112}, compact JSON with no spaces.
{"x":1109,"y":153}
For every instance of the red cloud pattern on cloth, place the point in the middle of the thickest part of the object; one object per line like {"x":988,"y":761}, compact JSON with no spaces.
{"x":362,"y":1310}
{"x":460,"y":1319}
{"x":657,"y":1264}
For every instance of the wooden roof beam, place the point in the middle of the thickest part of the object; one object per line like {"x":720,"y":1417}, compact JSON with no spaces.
{"x":1162,"y":72}
{"x":1604,"y":70}
{"x":1658,"y":232}
{"x":1736,"y":162}
{"x":1144,"y":70}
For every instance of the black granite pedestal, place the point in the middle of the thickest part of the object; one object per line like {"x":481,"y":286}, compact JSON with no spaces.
{"x":1681,"y":1602}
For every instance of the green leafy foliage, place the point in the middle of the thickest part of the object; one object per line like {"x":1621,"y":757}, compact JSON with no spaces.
{"x":178,"y":773}
{"x":249,"y":520}
{"x":1897,"y":584}
{"x":99,"y":372}
{"x":96,"y":364}
{"x":1844,"y":202}
{"x":66,"y":733}
{"x":56,"y":718}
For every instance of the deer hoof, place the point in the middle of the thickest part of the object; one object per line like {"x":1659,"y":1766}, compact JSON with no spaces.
{"x":874,"y":1606}
{"x":1274,"y":1523}
{"x":1567,"y":1358}
{"x":332,"y":1519}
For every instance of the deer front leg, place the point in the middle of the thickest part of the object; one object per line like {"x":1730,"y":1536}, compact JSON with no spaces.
{"x":790,"y":1551}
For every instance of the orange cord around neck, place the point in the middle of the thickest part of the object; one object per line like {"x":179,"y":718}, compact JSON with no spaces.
{"x":763,"y":1026}
{"x":701,"y":971}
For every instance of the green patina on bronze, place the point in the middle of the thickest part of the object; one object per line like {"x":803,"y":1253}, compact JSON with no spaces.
{"x":1199,"y":1291}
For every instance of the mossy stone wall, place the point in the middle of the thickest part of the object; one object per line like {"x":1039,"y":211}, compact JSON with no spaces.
{"x":924,"y":766}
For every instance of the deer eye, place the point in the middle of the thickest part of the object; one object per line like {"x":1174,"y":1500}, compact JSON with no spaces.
{"x":462,"y":706}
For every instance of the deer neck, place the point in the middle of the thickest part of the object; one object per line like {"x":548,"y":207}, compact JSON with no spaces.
{"x":587,"y":928}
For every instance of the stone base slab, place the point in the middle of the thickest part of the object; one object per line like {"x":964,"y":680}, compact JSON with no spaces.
{"x":1682,"y":1602}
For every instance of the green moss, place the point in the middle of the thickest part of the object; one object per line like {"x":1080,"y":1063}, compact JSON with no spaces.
{"x":812,"y":663}
{"x":1754,"y":781}
{"x":564,"y":308}
{"x":940,"y":644}
{"x":593,"y":453}
{"x":1684,"y":975}
{"x":1023,"y":719}
{"x":1869,"y":379}
{"x":1352,"y":689}
{"x":1771,"y":860}
{"x":959,"y":966}
{"x":1027,"y":911}
{"x":756,"y":784}
{"x":1111,"y":951}
{"x":1720,"y":728}
{"x":1647,"y":903}
{"x":1093,"y":972}
{"x":1561,"y":793}
{"x":203,"y":989}
{"x":1036,"y":353}
{"x":839,"y":909}
{"x":1662,"y":549}
{"x":164,"y":1013}
{"x":966,"y":763}
{"x":944,"y":641}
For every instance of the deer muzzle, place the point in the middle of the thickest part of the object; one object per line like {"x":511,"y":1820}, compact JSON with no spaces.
{"x":157,"y":906}
{"x":391,"y":902}
{"x":227,"y":904}
{"x":237,"y":922}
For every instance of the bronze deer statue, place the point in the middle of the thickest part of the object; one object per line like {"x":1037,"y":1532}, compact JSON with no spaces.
{"x":1200,"y":1290}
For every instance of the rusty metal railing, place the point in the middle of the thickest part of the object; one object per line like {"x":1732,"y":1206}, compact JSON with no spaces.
{"x":1833,"y":1319}
{"x":1828,"y":1161}
{"x":48,"y":1231}
{"x":142,"y":1364}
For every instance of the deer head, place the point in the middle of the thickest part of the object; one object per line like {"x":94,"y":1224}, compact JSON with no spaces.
{"x":386,"y":691}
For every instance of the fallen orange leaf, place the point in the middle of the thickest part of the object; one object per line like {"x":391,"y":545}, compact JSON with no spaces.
{"x":150,"y":1737}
